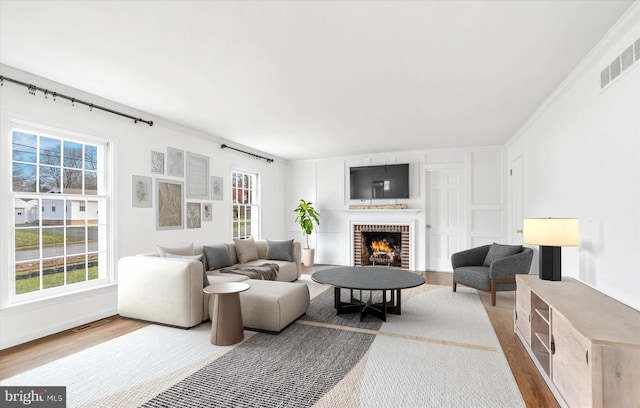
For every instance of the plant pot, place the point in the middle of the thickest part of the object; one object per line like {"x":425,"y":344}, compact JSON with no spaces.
{"x":308,"y":254}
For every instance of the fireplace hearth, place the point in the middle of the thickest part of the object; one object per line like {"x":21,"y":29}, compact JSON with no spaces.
{"x":381,"y":245}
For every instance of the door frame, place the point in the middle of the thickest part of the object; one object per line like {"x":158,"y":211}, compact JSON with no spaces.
{"x":515,"y":236}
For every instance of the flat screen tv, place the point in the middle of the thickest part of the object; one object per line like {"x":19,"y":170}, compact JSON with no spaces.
{"x":390,"y":181}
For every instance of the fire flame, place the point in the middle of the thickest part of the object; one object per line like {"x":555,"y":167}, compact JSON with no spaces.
{"x":381,"y":246}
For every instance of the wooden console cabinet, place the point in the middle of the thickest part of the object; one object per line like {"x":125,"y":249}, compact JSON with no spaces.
{"x":585,"y":344}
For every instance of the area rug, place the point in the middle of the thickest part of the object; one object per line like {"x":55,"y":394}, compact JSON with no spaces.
{"x":322,"y":310}
{"x":293,"y":369}
{"x":440,"y":352}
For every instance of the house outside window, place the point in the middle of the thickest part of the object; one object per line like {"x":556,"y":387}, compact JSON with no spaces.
{"x":246,"y":205}
{"x":60,"y":230}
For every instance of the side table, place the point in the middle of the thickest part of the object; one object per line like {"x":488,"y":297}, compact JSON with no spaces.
{"x":225,"y":312}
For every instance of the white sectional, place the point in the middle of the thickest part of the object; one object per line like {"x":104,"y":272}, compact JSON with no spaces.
{"x":272,"y":306}
{"x":169,"y":290}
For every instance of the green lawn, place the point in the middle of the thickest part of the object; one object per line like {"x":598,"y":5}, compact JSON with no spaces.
{"x":53,"y":269}
{"x":29,"y":239}
{"x":53,"y":280}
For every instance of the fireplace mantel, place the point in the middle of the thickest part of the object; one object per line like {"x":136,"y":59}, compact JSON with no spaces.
{"x":376,"y":210}
{"x":375,"y":216}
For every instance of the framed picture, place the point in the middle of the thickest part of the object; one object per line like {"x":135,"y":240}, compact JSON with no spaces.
{"x":207,"y":212}
{"x":141,"y":191}
{"x":216,"y":188}
{"x":157,"y":162}
{"x":169,"y":204}
{"x":197,"y":176}
{"x":175,"y":162}
{"x":194,"y":216}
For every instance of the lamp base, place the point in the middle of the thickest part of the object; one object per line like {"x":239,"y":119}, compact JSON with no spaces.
{"x":550,"y":263}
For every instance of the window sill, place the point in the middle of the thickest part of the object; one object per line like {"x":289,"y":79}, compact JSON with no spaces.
{"x":59,"y":298}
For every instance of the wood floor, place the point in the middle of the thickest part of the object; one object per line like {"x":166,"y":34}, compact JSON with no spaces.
{"x":38,"y":352}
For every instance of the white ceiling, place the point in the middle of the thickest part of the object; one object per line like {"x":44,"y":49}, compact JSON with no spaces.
{"x":314,"y":79}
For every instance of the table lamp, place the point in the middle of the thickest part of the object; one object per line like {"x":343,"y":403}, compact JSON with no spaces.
{"x":551,"y":234}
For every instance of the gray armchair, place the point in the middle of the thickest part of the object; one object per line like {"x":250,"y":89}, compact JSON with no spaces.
{"x":491,"y":268}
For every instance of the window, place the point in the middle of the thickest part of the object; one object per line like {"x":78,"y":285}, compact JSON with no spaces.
{"x":60,"y":205}
{"x":246,"y":205}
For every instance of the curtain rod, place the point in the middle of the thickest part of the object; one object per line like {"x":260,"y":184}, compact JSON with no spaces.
{"x":33,"y":89}
{"x":255,"y":156}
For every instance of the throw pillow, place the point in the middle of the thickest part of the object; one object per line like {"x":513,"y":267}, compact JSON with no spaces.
{"x":205,"y":280}
{"x":186,"y":250}
{"x":246,"y":249}
{"x":497,"y":251}
{"x":280,"y":250}
{"x":217,"y":256}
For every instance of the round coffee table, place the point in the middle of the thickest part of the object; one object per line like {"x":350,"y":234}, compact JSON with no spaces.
{"x":372,"y":279}
{"x":225,"y":312}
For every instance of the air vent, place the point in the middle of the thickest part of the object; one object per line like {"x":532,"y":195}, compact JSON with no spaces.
{"x":620,"y":64}
{"x":615,"y":68}
{"x":627,"y":58}
{"x":604,"y":77}
{"x":91,"y":325}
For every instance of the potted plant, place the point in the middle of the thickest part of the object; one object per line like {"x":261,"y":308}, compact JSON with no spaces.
{"x":306,"y":217}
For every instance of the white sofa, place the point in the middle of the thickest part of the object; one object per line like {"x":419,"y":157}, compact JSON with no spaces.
{"x":169,"y":290}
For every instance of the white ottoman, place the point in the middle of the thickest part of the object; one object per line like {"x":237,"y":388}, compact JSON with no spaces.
{"x":271,"y":306}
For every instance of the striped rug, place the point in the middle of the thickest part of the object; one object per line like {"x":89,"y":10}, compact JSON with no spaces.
{"x":440,"y":352}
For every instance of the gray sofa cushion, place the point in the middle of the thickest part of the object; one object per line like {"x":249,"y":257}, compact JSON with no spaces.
{"x":217,"y":256}
{"x":497,"y":251}
{"x":246,"y":250}
{"x":205,"y":281}
{"x":280,"y":250}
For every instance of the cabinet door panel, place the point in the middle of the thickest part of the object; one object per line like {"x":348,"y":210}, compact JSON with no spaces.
{"x":620,"y":377}
{"x":523,"y":311}
{"x":571,"y":363}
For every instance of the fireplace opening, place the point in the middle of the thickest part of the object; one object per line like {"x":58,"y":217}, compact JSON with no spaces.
{"x":382,"y":248}
{"x":397,"y":239}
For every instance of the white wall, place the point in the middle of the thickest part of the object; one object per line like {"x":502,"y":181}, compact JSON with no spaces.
{"x":325,"y":183}
{"x":134,"y":228}
{"x":581,"y":156}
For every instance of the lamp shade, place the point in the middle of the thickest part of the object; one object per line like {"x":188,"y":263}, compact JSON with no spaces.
{"x":556,"y":232}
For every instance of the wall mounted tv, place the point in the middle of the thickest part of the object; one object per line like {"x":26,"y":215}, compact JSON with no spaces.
{"x":383,"y":182}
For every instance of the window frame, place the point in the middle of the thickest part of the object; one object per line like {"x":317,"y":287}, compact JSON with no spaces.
{"x":254,"y":206}
{"x":102,"y":198}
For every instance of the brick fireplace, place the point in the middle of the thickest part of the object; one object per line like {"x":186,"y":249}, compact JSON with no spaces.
{"x":375,"y":244}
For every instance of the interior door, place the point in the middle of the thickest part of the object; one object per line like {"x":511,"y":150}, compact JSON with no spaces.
{"x":516,"y":180}
{"x":445,"y":216}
